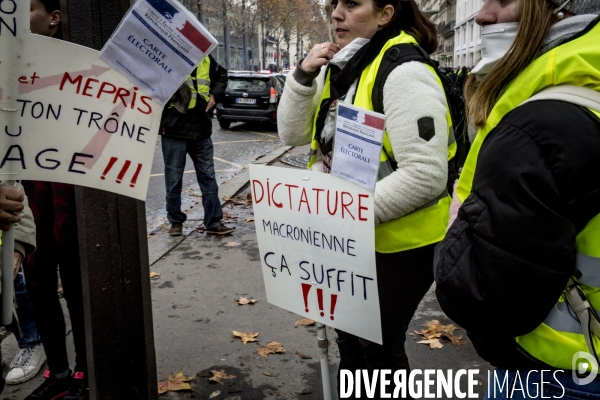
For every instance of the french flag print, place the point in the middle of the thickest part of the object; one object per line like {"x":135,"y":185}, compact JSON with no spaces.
{"x":361,"y":117}
{"x":195,"y":37}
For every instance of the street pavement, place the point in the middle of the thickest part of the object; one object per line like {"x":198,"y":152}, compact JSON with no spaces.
{"x":193,"y":303}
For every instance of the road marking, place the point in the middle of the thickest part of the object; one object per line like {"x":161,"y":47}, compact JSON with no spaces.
{"x":228,"y":162}
{"x":263,"y":134}
{"x":243,"y":141}
{"x":193,"y":171}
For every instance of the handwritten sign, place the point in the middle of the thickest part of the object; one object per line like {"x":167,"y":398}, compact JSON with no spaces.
{"x":65,"y":116}
{"x":316,"y":236}
{"x":358,"y":138}
{"x":157,"y":45}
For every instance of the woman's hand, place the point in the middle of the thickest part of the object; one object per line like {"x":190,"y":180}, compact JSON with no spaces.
{"x":11,"y":203}
{"x":319,"y":56}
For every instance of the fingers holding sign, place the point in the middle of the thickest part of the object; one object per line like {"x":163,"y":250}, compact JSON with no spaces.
{"x":11,"y":203}
{"x":319,"y":56}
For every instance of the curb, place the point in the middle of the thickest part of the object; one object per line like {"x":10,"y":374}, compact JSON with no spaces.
{"x":159,"y":245}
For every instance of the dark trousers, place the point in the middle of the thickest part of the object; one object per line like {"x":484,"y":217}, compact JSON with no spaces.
{"x":42,"y":284}
{"x":403,"y":279}
{"x":201,"y":152}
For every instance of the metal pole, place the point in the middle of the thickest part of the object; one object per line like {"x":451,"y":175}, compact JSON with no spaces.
{"x":8,"y":286}
{"x":324,"y":350}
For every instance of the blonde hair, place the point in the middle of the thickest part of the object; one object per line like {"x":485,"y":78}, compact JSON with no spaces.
{"x":535,"y":19}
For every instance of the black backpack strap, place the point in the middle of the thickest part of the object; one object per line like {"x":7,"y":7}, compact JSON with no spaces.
{"x":393,"y":57}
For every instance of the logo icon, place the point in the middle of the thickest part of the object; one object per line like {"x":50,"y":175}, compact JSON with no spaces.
{"x":580,"y":367}
{"x":244,"y":94}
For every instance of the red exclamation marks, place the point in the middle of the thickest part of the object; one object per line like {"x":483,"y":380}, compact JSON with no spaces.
{"x":123,"y":171}
{"x":305,"y":289}
{"x":112,"y":162}
{"x":320,"y":298}
{"x":332,"y":308}
{"x":135,"y":176}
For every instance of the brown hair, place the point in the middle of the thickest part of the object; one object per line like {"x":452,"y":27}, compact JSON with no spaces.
{"x":410,"y":19}
{"x":535,"y":19}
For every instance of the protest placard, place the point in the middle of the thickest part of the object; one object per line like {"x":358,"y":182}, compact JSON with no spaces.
{"x":358,"y":138}
{"x":65,"y":116}
{"x":157,"y":45}
{"x":316,"y":237}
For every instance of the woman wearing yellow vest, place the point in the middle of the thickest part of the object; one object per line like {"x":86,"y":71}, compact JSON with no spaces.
{"x":411,"y":204}
{"x":520,"y":266}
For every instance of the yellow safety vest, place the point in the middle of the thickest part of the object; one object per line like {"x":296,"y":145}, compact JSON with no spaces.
{"x":202,"y":86}
{"x":425,"y":225}
{"x":577,"y":62}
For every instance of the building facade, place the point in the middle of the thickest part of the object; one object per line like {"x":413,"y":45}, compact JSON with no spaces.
{"x":467,"y":34}
{"x":443,"y":14}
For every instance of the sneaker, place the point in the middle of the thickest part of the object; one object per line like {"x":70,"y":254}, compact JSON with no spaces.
{"x":52,"y":388}
{"x":176,"y":229}
{"x":220,"y":230}
{"x":26,"y":364}
{"x":80,"y":389}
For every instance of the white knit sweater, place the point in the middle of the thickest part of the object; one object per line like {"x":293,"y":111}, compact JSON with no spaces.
{"x":410,"y":93}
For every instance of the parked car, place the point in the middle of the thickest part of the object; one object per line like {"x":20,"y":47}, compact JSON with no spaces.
{"x":250,"y":97}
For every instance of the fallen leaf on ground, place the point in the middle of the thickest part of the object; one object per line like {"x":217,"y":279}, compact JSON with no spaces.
{"x":303,"y":356}
{"x":175,"y":383}
{"x":249,"y":198}
{"x":305,"y":322}
{"x":244,"y":300}
{"x":214,"y":394}
{"x":271,"y":348}
{"x":165,"y":228}
{"x":269,"y":374}
{"x":433,"y":343}
{"x":226,"y":198}
{"x":249,"y":219}
{"x":154,"y":274}
{"x":246,"y":336}
{"x":231,"y":244}
{"x":218,"y":376}
{"x":436,"y":330}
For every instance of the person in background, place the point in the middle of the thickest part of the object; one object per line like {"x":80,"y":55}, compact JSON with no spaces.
{"x":186,"y":129}
{"x":53,"y":207}
{"x":524,"y":250}
{"x":14,"y":209}
{"x":413,"y":176}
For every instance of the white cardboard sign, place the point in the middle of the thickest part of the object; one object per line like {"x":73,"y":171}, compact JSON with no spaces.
{"x":65,"y":116}
{"x":316,"y":237}
{"x":157,"y":45}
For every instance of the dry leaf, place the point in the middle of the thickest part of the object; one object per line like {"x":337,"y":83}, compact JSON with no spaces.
{"x":249,"y":219}
{"x":271,"y":348}
{"x":165,"y":228}
{"x":231,"y":244}
{"x":244,"y":300}
{"x":249,"y":198}
{"x":154,"y":274}
{"x":226,"y":198}
{"x":214,"y":394}
{"x":174,"y":383}
{"x":303,"y":356}
{"x":218,"y":376}
{"x":436,"y":330}
{"x":246,"y":336}
{"x":270,"y":374}
{"x":433,"y":343}
{"x":304,"y":321}
{"x":455,"y":340}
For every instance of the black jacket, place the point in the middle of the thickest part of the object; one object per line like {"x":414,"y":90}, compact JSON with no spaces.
{"x":507,"y":258}
{"x":196,"y":123}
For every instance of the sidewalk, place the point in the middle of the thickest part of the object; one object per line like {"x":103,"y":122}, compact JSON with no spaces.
{"x":195,"y":313}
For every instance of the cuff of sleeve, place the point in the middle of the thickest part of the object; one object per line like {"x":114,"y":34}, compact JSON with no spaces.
{"x":303,"y":77}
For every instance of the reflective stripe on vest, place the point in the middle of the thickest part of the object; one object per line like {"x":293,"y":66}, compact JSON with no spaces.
{"x":425,"y":225}
{"x":577,"y":62}
{"x":202,"y":83}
